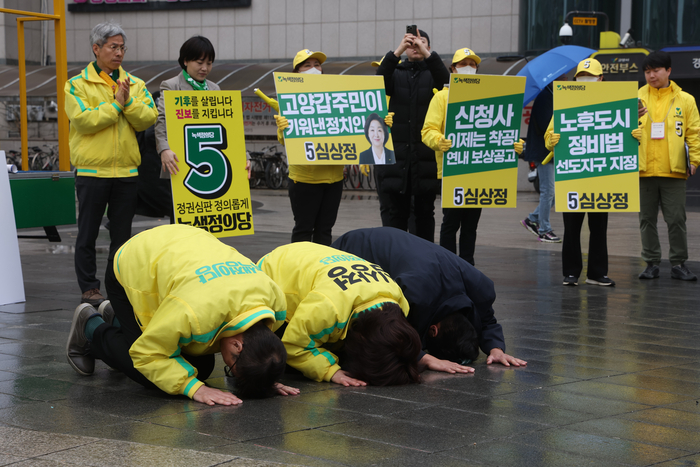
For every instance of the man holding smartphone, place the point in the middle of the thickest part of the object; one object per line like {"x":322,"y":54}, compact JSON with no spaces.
{"x":669,"y":118}
{"x":413,"y":179}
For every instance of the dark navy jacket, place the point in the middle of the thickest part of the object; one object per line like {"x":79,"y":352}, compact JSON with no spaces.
{"x":542,"y":111}
{"x":410,"y":85}
{"x":435,"y":281}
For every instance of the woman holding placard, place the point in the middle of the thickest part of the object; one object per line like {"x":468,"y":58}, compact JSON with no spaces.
{"x":315,"y":190}
{"x":196,"y":59}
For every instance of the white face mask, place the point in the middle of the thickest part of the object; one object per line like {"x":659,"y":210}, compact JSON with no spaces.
{"x":587,"y":79}
{"x":466,"y":70}
{"x":311,"y":71}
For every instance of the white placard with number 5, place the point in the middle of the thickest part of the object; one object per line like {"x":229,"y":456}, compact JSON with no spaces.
{"x":572,"y":200}
{"x":309,"y":151}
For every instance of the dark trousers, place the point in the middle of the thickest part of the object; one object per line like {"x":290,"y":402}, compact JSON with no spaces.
{"x":118,"y":196}
{"x":315,"y":208}
{"x":423,"y":208}
{"x":111,"y":344}
{"x":669,"y":194}
{"x":572,"y":263}
{"x":452,"y":220}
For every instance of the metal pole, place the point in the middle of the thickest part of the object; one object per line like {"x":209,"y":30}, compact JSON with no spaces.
{"x":59,"y":10}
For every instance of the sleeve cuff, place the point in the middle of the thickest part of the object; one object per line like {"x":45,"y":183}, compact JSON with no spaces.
{"x":117,"y":106}
{"x":329,"y":374}
{"x":193,"y":385}
{"x":129,"y":103}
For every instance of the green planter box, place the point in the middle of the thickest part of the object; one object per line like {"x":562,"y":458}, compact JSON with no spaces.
{"x":43,"y":199}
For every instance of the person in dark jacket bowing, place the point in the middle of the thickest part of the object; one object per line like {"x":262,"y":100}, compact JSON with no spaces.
{"x":451,"y":302}
{"x":414,"y":176}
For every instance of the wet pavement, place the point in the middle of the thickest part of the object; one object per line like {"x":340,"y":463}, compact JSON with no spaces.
{"x":613,"y":374}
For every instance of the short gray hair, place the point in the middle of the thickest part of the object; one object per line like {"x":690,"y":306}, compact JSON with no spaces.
{"x":103,"y":31}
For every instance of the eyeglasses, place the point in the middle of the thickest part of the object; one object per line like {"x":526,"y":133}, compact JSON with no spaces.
{"x":228,"y":371}
{"x":114,"y":47}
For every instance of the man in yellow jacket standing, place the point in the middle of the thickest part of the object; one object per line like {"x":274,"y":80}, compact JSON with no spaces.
{"x":671,"y":121}
{"x":105,"y":106}
{"x":178,"y":296}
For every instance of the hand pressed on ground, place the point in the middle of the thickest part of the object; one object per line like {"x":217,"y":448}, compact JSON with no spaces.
{"x":341,"y":377}
{"x":211,"y":396}
{"x":499,"y":356}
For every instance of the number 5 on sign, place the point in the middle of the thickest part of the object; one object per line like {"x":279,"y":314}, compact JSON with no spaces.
{"x":211,"y":191}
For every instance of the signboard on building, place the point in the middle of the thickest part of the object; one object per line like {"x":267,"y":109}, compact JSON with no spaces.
{"x":622,"y":64}
{"x":98,"y":6}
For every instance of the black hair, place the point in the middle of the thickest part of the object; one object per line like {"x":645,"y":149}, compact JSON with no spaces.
{"x":374,"y":116}
{"x":381,"y":348}
{"x":425,"y":34}
{"x":656,"y":59}
{"x":261,"y":362}
{"x":195,"y":48}
{"x":457,"y":340}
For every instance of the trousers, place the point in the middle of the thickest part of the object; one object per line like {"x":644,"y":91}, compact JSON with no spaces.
{"x":572,"y":261}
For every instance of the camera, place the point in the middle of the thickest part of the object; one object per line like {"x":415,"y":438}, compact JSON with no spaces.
{"x":566,"y":34}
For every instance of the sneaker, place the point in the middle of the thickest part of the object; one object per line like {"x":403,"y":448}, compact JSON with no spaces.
{"x":651,"y":272}
{"x":77,"y":348}
{"x":530,"y":226}
{"x":570,"y":280}
{"x":549,"y":237}
{"x":92,"y":297}
{"x":681,"y":272}
{"x":604,"y":281}
{"x":106,"y":311}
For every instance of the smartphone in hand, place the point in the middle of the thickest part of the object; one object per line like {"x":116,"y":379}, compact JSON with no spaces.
{"x":412,"y":29}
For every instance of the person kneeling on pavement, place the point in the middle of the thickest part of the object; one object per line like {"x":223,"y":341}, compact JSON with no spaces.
{"x":344,"y":310}
{"x":177,"y":296}
{"x":451,"y":302}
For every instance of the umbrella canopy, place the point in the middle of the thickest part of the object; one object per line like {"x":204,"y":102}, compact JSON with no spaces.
{"x":549,"y":66}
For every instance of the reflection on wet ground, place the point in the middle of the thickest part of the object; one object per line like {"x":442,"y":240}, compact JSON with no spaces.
{"x":613,"y":378}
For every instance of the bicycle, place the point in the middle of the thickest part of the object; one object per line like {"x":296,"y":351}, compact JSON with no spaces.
{"x":268,"y":166}
{"x":352,"y":177}
{"x":43,"y":160}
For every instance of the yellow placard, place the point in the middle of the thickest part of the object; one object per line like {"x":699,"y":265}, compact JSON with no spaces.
{"x":596,"y":162}
{"x":581,"y":21}
{"x":334,"y":119}
{"x":211,"y":191}
{"x":480,"y":170}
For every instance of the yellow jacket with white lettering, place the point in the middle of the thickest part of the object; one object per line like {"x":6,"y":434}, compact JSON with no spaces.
{"x":682,"y":123}
{"x":102,"y":134}
{"x":188,"y":291}
{"x":434,"y":125}
{"x":325,"y":289}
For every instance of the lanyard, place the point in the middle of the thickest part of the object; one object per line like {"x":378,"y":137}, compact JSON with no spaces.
{"x":667,"y":112}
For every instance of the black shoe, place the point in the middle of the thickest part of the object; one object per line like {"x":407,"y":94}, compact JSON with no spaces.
{"x":681,"y":272}
{"x":106,"y":311}
{"x":77,"y":349}
{"x":651,"y":272}
{"x":570,"y":280}
{"x":604,"y":281}
{"x":530,"y":226}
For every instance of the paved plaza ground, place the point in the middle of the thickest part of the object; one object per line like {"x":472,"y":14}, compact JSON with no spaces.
{"x":613,"y":374}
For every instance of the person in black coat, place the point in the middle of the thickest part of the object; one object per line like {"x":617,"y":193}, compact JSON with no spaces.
{"x":451,"y":302}
{"x":414,"y":176}
{"x":377,"y":133}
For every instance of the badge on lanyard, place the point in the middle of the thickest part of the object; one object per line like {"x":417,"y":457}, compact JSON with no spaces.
{"x":657,"y":130}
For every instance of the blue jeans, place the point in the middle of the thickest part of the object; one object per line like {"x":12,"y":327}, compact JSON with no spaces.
{"x":541,"y":212}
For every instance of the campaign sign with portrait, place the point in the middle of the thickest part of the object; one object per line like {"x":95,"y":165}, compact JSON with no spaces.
{"x":483,"y":119}
{"x":334,"y":119}
{"x":211,"y":191}
{"x":596,"y":162}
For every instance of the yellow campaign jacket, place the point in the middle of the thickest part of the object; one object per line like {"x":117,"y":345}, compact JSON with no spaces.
{"x":434,"y":125}
{"x":188,"y":291}
{"x":681,"y":127}
{"x":326,"y":289}
{"x":102,"y":134}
